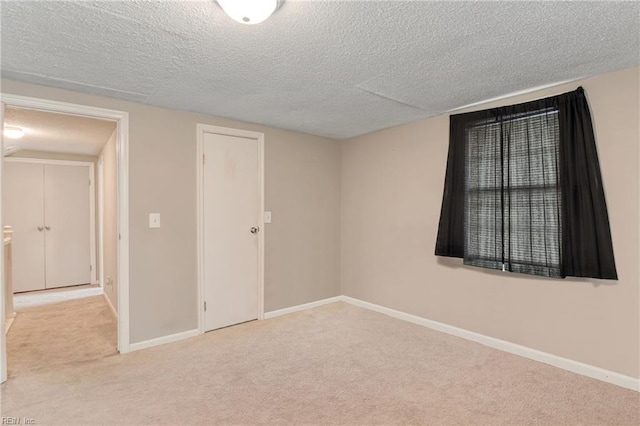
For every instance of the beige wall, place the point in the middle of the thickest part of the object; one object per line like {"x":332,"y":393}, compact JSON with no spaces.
{"x":302,"y":188}
{"x":302,"y":181}
{"x":110,"y":209}
{"x":392,"y":184}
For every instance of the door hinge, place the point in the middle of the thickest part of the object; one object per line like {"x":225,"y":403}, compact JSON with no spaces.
{"x":204,"y":159}
{"x":205,"y":306}
{"x":89,"y":182}
{"x":91,"y":267}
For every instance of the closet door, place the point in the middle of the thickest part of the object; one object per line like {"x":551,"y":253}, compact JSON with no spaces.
{"x":23,"y":195}
{"x":67,"y":225}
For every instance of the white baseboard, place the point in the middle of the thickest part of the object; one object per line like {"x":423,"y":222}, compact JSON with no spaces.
{"x":162,"y":340}
{"x":113,"y":310}
{"x":9,"y":321}
{"x":302,"y":307}
{"x":513,"y":348}
{"x":534,"y":354}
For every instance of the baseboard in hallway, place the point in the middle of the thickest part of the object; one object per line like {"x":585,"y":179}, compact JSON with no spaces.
{"x":47,"y":297}
{"x":113,"y":309}
{"x":9,"y":322}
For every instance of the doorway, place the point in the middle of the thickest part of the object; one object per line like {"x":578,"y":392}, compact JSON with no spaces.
{"x":230,"y":226}
{"x":120,"y":138}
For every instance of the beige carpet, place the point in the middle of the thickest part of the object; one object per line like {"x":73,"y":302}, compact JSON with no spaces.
{"x":50,"y":336}
{"x":337,"y":364}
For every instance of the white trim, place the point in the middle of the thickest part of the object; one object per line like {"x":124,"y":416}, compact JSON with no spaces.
{"x":3,"y":326}
{"x":163,"y":340}
{"x":513,"y":94}
{"x":9,"y":322}
{"x":201,"y":129}
{"x":298,"y":308}
{"x":122,"y":255}
{"x":100,"y":182}
{"x":122,"y":154}
{"x":113,"y":310}
{"x":48,"y":161}
{"x":199,"y":226}
{"x":92,"y":223}
{"x":261,"y":225}
{"x":512,"y":348}
{"x":28,"y":102}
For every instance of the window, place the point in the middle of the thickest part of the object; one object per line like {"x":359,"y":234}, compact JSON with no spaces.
{"x":512,"y":196}
{"x":523,"y":191}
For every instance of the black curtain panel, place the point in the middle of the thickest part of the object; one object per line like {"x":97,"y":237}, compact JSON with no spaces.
{"x":450,"y":241}
{"x":586,"y":236}
{"x":523,"y":191}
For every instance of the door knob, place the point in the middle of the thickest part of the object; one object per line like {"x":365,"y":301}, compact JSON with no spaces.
{"x":47,"y":227}
{"x":254,"y":230}
{"x":40,"y":228}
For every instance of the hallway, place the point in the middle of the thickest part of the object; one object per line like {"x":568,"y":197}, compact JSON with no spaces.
{"x":50,"y":336}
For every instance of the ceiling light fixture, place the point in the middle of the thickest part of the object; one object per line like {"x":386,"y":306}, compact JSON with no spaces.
{"x":249,"y":12}
{"x":13,"y":132}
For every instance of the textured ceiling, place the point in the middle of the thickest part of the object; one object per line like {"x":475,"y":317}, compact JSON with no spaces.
{"x":45,"y":131}
{"x":331,"y":68}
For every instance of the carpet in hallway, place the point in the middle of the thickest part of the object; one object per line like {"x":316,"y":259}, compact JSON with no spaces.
{"x":50,"y":336}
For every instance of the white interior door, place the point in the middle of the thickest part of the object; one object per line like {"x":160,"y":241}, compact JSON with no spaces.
{"x":67,"y":225}
{"x":23,"y":197}
{"x":230,"y":214}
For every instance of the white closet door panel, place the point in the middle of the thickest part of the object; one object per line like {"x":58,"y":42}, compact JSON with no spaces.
{"x":230,"y":209}
{"x":67,"y":225}
{"x":23,"y":188}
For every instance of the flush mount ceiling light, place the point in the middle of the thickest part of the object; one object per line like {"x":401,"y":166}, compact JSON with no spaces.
{"x":249,"y":12}
{"x":13,"y":132}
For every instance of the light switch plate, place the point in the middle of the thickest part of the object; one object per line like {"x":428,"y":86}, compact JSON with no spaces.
{"x":267,"y":217}
{"x":154,"y":220}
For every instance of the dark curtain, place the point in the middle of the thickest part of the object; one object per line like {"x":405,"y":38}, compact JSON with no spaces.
{"x":586,"y":236}
{"x":515,"y":199}
{"x":450,"y":241}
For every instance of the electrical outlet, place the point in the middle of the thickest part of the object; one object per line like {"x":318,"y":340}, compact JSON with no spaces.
{"x":154,"y":220}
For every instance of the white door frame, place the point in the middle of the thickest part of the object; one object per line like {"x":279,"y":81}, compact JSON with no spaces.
{"x":202,"y":129}
{"x":3,"y":315}
{"x":100,"y":204}
{"x":92,"y":201}
{"x":122,"y":158}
